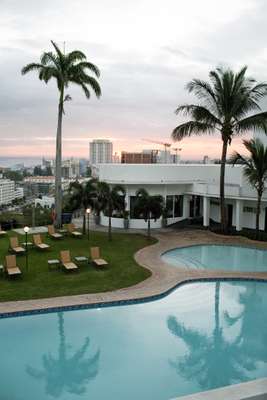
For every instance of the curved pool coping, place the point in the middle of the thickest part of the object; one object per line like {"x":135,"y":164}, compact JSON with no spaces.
{"x":164,"y":278}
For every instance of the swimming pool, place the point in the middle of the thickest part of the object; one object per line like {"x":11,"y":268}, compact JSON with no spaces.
{"x":200,"y":336}
{"x":229,"y":258}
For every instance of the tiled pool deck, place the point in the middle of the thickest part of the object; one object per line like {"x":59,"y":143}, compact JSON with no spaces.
{"x":163,"y":276}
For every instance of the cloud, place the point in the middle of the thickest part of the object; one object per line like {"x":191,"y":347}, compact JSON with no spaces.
{"x":147,"y":51}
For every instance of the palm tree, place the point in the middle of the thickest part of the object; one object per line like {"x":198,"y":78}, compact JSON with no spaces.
{"x":226,"y":104}
{"x":82,"y":195}
{"x":64,"y":372}
{"x":110,"y":199}
{"x":64,"y":69}
{"x":255,"y":170}
{"x":148,"y":207}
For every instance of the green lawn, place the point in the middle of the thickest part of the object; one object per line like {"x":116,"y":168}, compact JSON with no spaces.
{"x":40,"y":282}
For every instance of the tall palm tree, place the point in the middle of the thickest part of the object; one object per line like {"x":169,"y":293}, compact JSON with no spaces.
{"x":110,"y":199}
{"x":225,"y":106}
{"x":64,"y":69}
{"x":255,"y":170}
{"x":66,"y":372}
{"x":148,"y":207}
{"x":82,"y":195}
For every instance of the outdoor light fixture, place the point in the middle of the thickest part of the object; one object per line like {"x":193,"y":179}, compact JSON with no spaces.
{"x":88,"y":211}
{"x":26,"y":230}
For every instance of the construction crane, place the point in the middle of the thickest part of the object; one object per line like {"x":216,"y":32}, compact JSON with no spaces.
{"x":166,"y":146}
{"x":176,"y":149}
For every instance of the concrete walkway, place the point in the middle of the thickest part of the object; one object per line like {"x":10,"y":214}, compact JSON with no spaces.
{"x":163,"y":278}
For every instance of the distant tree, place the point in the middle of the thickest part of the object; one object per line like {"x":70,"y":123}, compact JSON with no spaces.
{"x":255,"y":170}
{"x":149,"y":207}
{"x":226,"y":104}
{"x":88,"y":172}
{"x":110,"y":199}
{"x":37,"y":171}
{"x":48,"y":171}
{"x":13,"y":175}
{"x":64,"y":69}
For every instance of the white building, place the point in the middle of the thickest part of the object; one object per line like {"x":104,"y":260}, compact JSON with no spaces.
{"x":7,"y":191}
{"x":101,"y":151}
{"x":45,"y":202}
{"x":189,"y":190}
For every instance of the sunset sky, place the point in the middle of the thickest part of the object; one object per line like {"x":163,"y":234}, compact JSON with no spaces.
{"x":146,"y":50}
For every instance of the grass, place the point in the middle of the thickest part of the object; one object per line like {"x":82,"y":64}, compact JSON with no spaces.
{"x":40,"y":282}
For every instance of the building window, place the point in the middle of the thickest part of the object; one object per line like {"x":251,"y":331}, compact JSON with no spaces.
{"x":169,"y":206}
{"x":174,"y":206}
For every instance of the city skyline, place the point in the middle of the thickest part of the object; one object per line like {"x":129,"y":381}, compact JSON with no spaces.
{"x":143,"y":71}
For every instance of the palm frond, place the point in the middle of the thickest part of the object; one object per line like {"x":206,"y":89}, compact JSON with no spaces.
{"x":90,"y":66}
{"x":31,"y":67}
{"x":204,"y":92}
{"x":199,"y":113}
{"x":252,"y":123}
{"x":191,"y":128}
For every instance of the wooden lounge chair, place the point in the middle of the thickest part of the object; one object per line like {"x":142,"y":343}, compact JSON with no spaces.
{"x":2,"y":233}
{"x":72,"y":230}
{"x":14,"y":245}
{"x":52,"y":233}
{"x":96,"y":259}
{"x":37,"y":240}
{"x":66,"y":261}
{"x":11,"y":266}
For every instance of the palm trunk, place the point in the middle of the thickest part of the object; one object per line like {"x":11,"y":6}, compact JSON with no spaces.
{"x":217,"y":306}
{"x":84,"y":222}
{"x":148,"y":227}
{"x":109,"y":224}
{"x":58,"y":183}
{"x":222,"y":181}
{"x":258,"y":212}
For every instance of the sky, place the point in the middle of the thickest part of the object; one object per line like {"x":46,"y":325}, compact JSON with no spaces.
{"x":147,"y":50}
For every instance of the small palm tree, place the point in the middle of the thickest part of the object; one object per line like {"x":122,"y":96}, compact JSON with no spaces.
{"x":226,"y":104}
{"x":148,"y":207}
{"x":64,"y":69}
{"x":110,"y":199}
{"x":255,"y":170}
{"x":82,"y":196}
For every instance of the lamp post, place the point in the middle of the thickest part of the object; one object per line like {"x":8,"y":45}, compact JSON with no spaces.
{"x":26,"y":230}
{"x":88,"y":211}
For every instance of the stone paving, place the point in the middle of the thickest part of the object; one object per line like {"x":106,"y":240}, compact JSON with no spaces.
{"x":163,"y":278}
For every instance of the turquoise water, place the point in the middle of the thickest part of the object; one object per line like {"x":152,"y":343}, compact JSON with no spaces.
{"x":201,"y":336}
{"x":229,"y":258}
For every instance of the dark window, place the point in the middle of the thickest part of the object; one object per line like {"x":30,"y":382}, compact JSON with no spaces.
{"x":133,"y":211}
{"x":178,"y":206}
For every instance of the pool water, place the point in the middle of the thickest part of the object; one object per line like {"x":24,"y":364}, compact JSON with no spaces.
{"x":199,"y":337}
{"x":214,"y":257}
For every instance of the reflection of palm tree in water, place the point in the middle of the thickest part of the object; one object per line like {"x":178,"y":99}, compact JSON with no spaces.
{"x":252,"y":337}
{"x":211,"y":360}
{"x":69,"y":373}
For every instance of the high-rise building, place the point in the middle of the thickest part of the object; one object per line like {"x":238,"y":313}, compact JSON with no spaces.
{"x":101,"y":151}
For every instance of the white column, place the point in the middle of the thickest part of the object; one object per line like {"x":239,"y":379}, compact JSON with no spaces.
{"x":186,"y":206}
{"x":239,"y":215}
{"x":127,"y":200}
{"x":206,"y":211}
